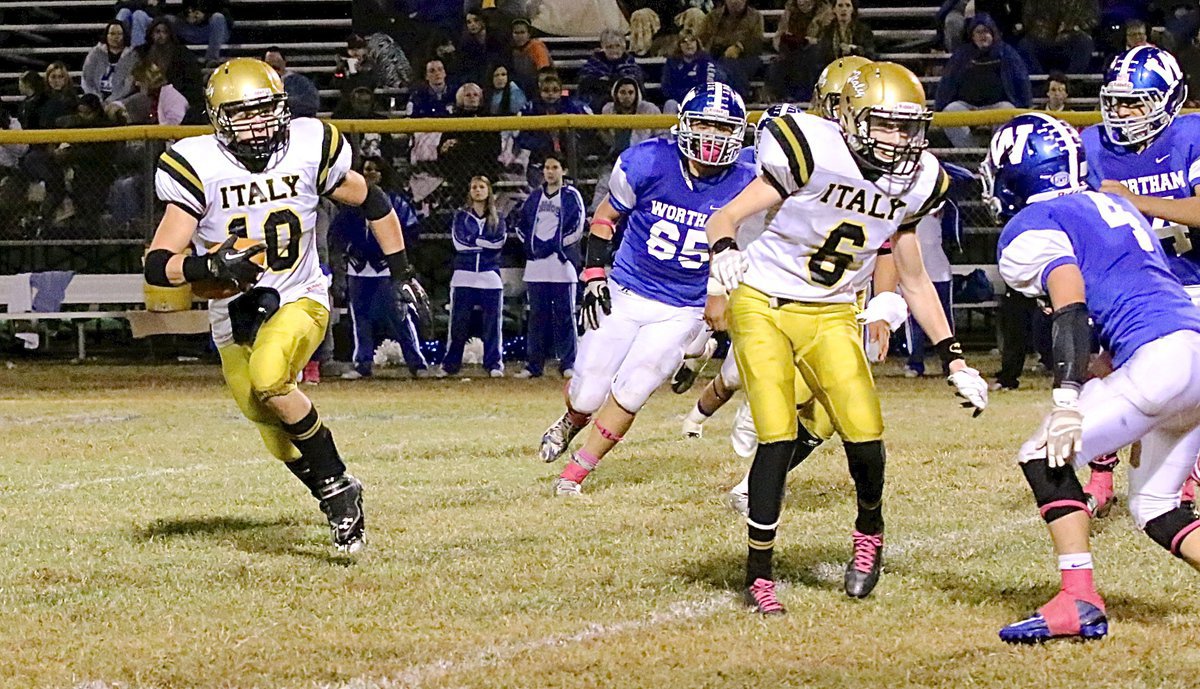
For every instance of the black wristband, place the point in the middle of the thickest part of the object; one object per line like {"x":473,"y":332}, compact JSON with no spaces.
{"x":722,"y":244}
{"x":398,"y":265}
{"x":599,"y":252}
{"x":948,"y":350}
{"x":195,"y":268}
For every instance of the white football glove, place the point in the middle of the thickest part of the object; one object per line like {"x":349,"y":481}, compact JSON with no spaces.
{"x":728,"y":267}
{"x":1064,"y":429}
{"x":970,"y":386}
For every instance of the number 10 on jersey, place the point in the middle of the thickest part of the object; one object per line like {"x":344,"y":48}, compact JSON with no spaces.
{"x":664,"y":244}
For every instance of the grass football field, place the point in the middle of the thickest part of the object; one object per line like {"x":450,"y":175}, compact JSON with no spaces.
{"x":149,"y":542}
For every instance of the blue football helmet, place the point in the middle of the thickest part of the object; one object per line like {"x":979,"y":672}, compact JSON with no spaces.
{"x":777,"y":110}
{"x":1033,"y":158}
{"x":715,"y":105}
{"x":1144,"y":77}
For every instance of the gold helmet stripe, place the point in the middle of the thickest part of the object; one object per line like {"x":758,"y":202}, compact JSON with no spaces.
{"x":331,"y":148}
{"x":940,"y":187}
{"x":787,"y":134}
{"x":182,"y":172}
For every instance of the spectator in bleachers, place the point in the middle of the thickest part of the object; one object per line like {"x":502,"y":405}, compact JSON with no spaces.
{"x":355,"y":67}
{"x":392,"y":67}
{"x":361,"y":105}
{"x":108,"y":67}
{"x":32,"y":87}
{"x":527,"y":56}
{"x":733,"y":34}
{"x":205,"y":22}
{"x":539,"y":144}
{"x":61,"y":96}
{"x":951,"y":21}
{"x":845,"y":35}
{"x":789,"y":76}
{"x":14,"y":184}
{"x":690,"y":66}
{"x":479,"y":49}
{"x":606,"y":65}
{"x":434,"y":97}
{"x":1058,"y":90}
{"x":985,"y":74}
{"x":137,"y":15}
{"x":627,"y":100}
{"x":179,"y":65}
{"x":1189,"y":61}
{"x":1058,"y":35}
{"x":478,"y":233}
{"x":504,"y":97}
{"x":1181,"y":19}
{"x":369,"y":294}
{"x":445,"y":51}
{"x":550,"y":225}
{"x":1136,"y":34}
{"x":156,"y":101}
{"x":93,"y":163}
{"x":467,"y":153}
{"x":303,"y":98}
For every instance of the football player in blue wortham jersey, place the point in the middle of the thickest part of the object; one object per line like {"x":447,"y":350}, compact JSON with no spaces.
{"x":662,"y":191}
{"x":1147,"y":153}
{"x":1098,"y":261}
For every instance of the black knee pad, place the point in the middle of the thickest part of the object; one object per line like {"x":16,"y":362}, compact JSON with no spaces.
{"x":1057,"y":491}
{"x":1169,"y":530}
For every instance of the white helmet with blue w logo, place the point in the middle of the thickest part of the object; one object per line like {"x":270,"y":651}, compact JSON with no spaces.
{"x":1145,"y":79}
{"x":712,"y":124}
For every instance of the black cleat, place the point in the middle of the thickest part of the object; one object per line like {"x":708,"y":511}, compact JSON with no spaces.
{"x":341,"y":501}
{"x":862,"y":572}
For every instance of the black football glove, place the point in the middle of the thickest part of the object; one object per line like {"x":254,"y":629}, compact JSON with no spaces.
{"x":410,"y":294}
{"x":596,"y":298}
{"x":235,"y":265}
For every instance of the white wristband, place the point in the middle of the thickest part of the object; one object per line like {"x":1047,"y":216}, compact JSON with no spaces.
{"x":715,"y":288}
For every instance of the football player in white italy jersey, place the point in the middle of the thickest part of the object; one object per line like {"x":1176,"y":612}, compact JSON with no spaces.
{"x":245,"y":196}
{"x":845,"y":190}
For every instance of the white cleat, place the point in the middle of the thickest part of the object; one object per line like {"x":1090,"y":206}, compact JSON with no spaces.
{"x":566,"y":488}
{"x":738,"y":500}
{"x":693,"y":424}
{"x":556,"y":439}
{"x":743,"y":437}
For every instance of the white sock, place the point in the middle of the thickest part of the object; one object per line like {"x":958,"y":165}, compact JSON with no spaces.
{"x":1075,"y":561}
{"x":743,"y":486}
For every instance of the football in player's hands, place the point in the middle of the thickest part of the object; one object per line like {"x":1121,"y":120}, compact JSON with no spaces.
{"x":249,"y":251}
{"x":970,"y":386}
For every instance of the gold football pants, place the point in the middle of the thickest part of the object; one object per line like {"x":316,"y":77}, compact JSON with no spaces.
{"x":268,"y":368}
{"x":820,"y":342}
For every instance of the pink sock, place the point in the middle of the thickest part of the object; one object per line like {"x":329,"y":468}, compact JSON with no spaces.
{"x":582,"y":463}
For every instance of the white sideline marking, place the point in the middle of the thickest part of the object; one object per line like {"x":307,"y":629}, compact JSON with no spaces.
{"x":79,"y":419}
{"x":497,"y":654}
{"x":74,"y":485}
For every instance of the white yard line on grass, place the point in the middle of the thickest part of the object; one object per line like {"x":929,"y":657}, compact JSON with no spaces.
{"x":74,"y":485}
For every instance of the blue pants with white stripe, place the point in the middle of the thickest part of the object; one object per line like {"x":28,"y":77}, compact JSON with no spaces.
{"x":918,"y":341}
{"x":373,"y":308}
{"x":551,"y":325}
{"x":464,"y":300}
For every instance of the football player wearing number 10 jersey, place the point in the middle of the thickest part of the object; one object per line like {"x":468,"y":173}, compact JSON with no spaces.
{"x":247,"y":196}
{"x":663,"y":190}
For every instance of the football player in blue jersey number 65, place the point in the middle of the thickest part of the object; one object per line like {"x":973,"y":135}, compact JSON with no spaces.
{"x":1146,"y":154}
{"x":1096,"y":258}
{"x":663,"y":190}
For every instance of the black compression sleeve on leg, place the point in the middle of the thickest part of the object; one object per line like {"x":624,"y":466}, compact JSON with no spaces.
{"x":767,"y":477}
{"x":1071,"y":337}
{"x":1057,"y":491}
{"x":319,"y":459}
{"x":806,"y":444}
{"x":866,"y":468}
{"x":1169,"y":529}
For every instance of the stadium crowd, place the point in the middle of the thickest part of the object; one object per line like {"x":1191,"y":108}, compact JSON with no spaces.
{"x":481,"y":58}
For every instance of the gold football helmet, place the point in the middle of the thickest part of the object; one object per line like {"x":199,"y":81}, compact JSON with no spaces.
{"x":828,"y":92}
{"x":248,"y":109}
{"x":884,"y":118}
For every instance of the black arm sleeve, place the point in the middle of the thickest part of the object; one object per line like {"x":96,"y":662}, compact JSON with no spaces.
{"x":599,"y":252}
{"x":1071,"y":341}
{"x":376,"y":206}
{"x":155,"y":269}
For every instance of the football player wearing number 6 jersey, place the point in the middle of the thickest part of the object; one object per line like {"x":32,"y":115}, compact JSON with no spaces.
{"x":663,"y":190}
{"x":246,"y":196}
{"x":1097,"y":260}
{"x":792,"y":306}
